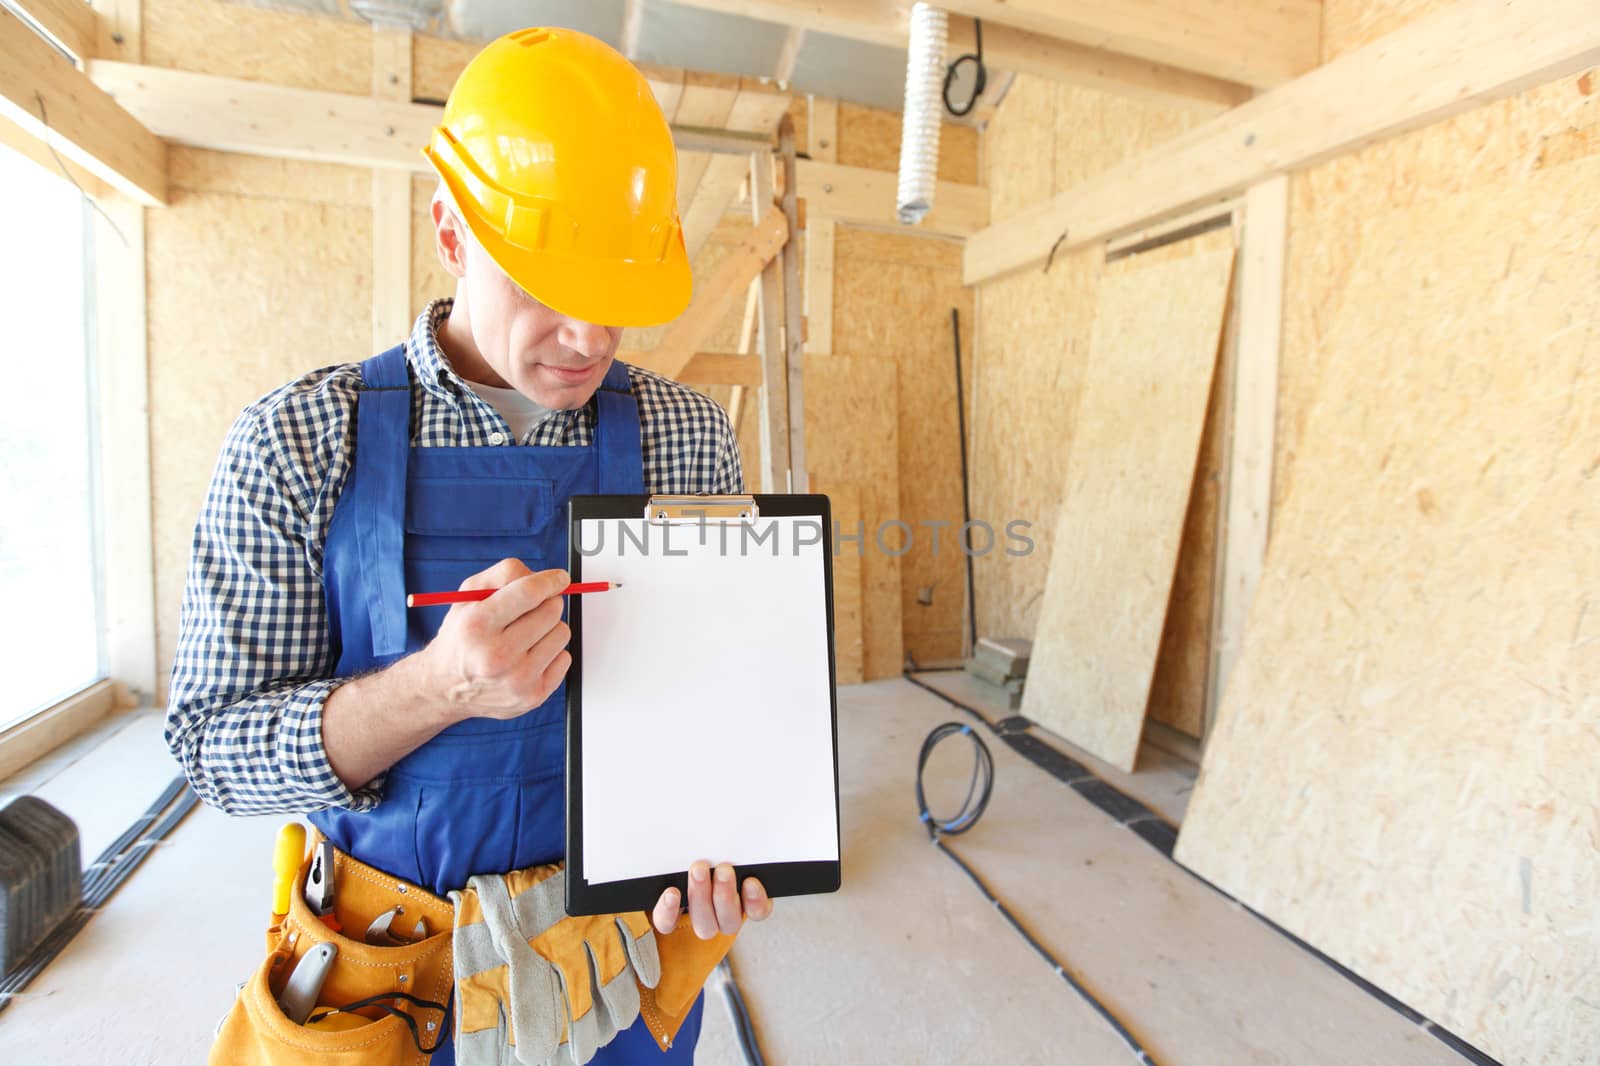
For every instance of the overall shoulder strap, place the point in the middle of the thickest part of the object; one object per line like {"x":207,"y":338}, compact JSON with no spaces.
{"x":616,"y":434}
{"x":383,"y":450}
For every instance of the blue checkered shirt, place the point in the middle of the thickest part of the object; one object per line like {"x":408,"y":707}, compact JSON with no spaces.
{"x":255,"y":662}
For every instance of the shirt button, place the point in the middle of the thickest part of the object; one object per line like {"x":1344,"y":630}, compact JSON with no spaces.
{"x":497,"y":437}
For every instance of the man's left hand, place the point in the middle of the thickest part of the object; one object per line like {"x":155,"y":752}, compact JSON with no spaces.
{"x":715,"y":904}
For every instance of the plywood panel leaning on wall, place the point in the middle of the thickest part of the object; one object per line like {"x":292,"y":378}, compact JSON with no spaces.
{"x":845,"y":500}
{"x":1403,"y":771}
{"x":1139,"y":420}
{"x":852,"y":427}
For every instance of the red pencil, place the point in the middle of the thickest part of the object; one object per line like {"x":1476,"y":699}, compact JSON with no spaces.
{"x":436,"y":599}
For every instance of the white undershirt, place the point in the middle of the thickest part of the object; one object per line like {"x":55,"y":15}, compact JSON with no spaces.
{"x":520,"y":413}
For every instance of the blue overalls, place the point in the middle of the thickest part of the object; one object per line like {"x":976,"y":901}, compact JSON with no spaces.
{"x":484,"y":796}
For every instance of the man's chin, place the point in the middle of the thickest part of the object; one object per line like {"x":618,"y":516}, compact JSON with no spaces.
{"x":562,"y":392}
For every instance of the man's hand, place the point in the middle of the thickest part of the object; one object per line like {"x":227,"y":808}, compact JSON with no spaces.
{"x":503,"y":656}
{"x":715,"y":906}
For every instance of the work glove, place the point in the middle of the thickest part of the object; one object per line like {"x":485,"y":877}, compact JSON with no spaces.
{"x":551,"y":989}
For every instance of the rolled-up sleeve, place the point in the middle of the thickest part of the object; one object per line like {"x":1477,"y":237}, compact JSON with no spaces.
{"x":255,"y":656}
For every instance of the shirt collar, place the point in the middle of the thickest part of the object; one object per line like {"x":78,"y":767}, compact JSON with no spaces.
{"x":433,"y":370}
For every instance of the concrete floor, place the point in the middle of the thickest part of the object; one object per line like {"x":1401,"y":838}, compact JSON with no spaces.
{"x":906,"y":964}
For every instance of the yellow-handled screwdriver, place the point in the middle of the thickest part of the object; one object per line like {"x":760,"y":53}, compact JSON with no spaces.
{"x":286,"y":859}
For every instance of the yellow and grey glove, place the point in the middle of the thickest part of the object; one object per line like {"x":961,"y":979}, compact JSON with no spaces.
{"x":550,"y":988}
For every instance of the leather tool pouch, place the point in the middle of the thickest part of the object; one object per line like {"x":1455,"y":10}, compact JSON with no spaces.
{"x":379,"y":1006}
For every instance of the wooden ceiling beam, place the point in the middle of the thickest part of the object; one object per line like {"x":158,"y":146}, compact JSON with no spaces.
{"x":47,"y":97}
{"x":1260,"y":43}
{"x":1005,"y":47}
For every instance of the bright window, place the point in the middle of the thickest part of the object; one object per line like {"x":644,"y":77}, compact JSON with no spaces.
{"x":50,"y":632}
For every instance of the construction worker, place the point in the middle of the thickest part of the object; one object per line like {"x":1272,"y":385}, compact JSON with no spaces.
{"x":431,"y":745}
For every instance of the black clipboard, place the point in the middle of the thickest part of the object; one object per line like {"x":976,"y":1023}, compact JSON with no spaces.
{"x":585,"y":897}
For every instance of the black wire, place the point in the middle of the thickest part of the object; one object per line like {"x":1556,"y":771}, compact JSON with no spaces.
{"x":966,"y":492}
{"x":378,"y":1001}
{"x":983,"y":786}
{"x":982,"y":779}
{"x":743,"y":1028}
{"x":979,"y":79}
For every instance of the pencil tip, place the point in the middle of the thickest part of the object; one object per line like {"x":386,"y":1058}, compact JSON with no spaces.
{"x":408,"y":601}
{"x":616,"y":584}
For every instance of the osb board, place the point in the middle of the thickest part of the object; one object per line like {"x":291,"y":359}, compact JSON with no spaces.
{"x":436,"y":63}
{"x":1139,"y":419}
{"x":1332,"y":205}
{"x":1178,"y":688}
{"x":258,"y":44}
{"x":245,"y":294}
{"x":1033,"y":329}
{"x":1403,"y":772}
{"x":852,"y":437}
{"x":902,"y":313}
{"x":1047,"y":137}
{"x":1033,"y":344}
{"x":851,"y":242}
{"x":845,"y":499}
{"x":870,"y":137}
{"x":199,"y":170}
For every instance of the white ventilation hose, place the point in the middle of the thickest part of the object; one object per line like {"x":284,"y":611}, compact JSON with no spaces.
{"x":919,"y":131}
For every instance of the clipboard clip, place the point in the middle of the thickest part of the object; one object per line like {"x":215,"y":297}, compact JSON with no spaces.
{"x":659,"y":510}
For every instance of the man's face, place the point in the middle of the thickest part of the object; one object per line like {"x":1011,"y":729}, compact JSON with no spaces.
{"x":556,"y":361}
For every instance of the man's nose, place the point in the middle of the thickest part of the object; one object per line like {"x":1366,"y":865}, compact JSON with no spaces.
{"x":585,"y":338}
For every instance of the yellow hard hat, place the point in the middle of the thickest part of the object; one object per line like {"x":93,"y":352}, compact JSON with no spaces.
{"x":560,"y":161}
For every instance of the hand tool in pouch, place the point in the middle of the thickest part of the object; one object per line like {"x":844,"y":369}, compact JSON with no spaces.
{"x":287,"y":856}
{"x":300,"y":992}
{"x":319,"y":886}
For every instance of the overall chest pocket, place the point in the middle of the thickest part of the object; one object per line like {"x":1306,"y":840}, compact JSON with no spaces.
{"x":479,"y":507}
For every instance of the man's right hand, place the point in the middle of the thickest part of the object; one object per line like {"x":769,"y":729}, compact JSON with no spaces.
{"x":503,"y":656}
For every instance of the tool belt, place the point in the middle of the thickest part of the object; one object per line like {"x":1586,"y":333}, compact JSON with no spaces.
{"x":377,"y":1006}
{"x":564,"y":986}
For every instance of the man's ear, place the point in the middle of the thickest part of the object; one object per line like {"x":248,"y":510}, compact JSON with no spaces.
{"x":449,"y":239}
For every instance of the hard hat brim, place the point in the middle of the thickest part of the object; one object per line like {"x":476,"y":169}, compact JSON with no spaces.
{"x":603,"y":292}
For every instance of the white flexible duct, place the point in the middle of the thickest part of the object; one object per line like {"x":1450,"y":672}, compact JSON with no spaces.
{"x":919,"y":131}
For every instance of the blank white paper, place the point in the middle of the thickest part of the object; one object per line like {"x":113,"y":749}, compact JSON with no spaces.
{"x":707,"y":728}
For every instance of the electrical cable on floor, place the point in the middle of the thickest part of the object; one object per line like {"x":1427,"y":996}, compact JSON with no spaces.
{"x":743,"y":1029}
{"x":978,"y":793}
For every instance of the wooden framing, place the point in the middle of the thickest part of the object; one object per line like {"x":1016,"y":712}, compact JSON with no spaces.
{"x":71,"y":24}
{"x":707,"y":100}
{"x":33,"y":738}
{"x":684,"y":337}
{"x":747,"y":333}
{"x":234,"y":115}
{"x":793,"y":313}
{"x":28,"y":146}
{"x":391,"y":200}
{"x":704,"y":368}
{"x":231,"y":115}
{"x":774,"y":374}
{"x":863,"y":197}
{"x":1437,"y":66}
{"x":42,"y":93}
{"x":1256,"y":42}
{"x":824,"y":133}
{"x":1005,"y":47}
{"x":724,"y":173}
{"x":1253,"y":415}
